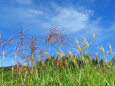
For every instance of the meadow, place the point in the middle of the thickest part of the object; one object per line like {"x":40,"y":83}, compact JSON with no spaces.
{"x":64,"y":68}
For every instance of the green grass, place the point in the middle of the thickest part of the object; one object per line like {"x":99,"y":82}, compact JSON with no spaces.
{"x":66,"y":69}
{"x":51,"y":75}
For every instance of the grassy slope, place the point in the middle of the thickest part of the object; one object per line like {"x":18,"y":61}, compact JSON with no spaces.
{"x":50,"y":75}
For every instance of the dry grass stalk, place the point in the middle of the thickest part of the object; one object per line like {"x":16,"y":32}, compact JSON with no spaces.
{"x":93,"y":36}
{"x":79,"y":48}
{"x":56,"y":37}
{"x":102,"y":49}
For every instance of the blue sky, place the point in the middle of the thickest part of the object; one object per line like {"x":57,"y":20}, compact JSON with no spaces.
{"x":79,"y":18}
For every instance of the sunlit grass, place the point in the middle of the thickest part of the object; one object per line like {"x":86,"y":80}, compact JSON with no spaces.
{"x":63,"y":69}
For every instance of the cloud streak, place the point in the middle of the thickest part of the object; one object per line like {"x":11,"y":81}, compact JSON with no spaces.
{"x":71,"y":19}
{"x":27,"y":2}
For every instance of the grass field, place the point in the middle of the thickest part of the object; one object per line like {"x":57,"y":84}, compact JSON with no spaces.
{"x":64,"y":69}
{"x":68,"y":75}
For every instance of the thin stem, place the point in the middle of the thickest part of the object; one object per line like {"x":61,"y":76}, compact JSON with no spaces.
{"x":2,"y":64}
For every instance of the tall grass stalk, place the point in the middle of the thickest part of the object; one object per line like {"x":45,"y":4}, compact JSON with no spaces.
{"x":67,"y":69}
{"x":2,"y":65}
{"x":12,"y":76}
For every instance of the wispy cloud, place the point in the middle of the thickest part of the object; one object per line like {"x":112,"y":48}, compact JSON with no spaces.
{"x":88,"y":1}
{"x":34,"y":11}
{"x":70,"y":18}
{"x":28,"y":12}
{"x":20,"y":14}
{"x":113,"y":27}
{"x":73,"y":19}
{"x":28,"y":2}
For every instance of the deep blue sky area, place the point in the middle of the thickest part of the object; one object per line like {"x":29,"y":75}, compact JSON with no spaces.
{"x":78,"y":18}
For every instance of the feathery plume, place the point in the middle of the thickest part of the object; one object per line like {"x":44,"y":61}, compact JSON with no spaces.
{"x":78,"y":46}
{"x":3,"y":54}
{"x":93,"y":36}
{"x":102,"y":49}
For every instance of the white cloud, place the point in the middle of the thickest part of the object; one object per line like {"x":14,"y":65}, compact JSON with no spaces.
{"x":74,"y":20}
{"x":34,"y":11}
{"x":28,"y":12}
{"x":70,"y":18}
